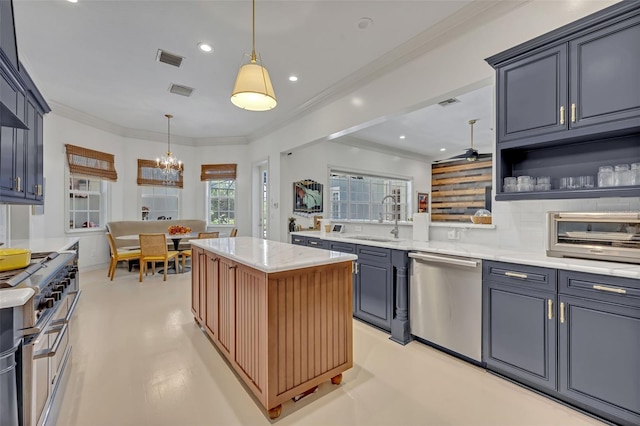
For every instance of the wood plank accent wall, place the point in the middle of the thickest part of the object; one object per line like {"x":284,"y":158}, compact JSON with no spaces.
{"x":459,"y":189}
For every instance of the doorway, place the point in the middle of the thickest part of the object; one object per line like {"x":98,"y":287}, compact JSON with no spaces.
{"x":262,"y":201}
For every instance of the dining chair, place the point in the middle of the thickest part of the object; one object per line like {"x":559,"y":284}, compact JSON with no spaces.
{"x":201,"y":235}
{"x":234,"y":232}
{"x":119,"y":254}
{"x":153,"y":248}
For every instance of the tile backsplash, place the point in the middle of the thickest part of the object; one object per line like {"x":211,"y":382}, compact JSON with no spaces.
{"x":522,"y":224}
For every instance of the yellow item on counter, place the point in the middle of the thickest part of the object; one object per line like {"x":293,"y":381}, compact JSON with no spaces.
{"x":14,"y":258}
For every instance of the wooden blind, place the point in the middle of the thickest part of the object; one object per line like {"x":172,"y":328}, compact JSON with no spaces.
{"x":87,"y":162}
{"x":150,"y":174}
{"x":217,"y":171}
{"x":459,"y":189}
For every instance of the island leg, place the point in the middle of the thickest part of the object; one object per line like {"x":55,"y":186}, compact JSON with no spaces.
{"x":336,"y":380}
{"x":275,"y":412}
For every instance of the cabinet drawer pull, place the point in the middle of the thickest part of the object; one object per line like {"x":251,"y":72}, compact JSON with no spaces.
{"x":610,"y":289}
{"x":516,"y":275}
{"x":313,"y":243}
{"x":561,"y":115}
{"x":355,"y":267}
{"x":573,"y":113}
{"x":562,"y":313}
{"x":550,"y":309}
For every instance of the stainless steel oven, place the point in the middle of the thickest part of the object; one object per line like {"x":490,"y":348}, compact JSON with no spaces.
{"x":613,"y":236}
{"x":42,"y":333}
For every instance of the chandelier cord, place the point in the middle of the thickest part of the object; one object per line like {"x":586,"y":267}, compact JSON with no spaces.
{"x":253,"y":32}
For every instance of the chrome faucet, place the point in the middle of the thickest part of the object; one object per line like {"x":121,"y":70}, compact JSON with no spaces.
{"x":394,"y":231}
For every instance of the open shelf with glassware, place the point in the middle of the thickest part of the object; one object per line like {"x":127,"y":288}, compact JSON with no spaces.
{"x":567,"y":161}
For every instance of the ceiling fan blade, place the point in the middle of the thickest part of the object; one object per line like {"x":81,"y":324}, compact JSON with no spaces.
{"x":454,"y":158}
{"x":485,"y":155}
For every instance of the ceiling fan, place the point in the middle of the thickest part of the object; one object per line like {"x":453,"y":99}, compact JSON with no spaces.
{"x":470,"y":154}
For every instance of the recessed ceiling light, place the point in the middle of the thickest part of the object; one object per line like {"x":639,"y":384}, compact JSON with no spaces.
{"x":72,"y":1}
{"x":443,"y":149}
{"x":364,"y":23}
{"x":205,"y":47}
{"x":402,"y":136}
{"x":293,"y":78}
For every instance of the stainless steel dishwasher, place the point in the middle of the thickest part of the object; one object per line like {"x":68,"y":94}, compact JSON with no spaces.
{"x":446,"y":302}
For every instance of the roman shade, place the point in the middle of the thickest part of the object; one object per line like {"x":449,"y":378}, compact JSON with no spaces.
{"x":150,"y":174}
{"x":88,"y":162}
{"x":217,"y":171}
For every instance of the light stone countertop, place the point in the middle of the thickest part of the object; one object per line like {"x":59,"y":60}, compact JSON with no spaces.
{"x":12,"y":297}
{"x":39,"y":245}
{"x":486,"y":252}
{"x":270,"y":256}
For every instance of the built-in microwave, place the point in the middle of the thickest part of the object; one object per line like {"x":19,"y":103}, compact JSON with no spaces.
{"x":613,"y":236}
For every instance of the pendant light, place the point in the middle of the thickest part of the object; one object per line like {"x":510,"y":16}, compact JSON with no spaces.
{"x":169,"y":165}
{"x":253,"y":90}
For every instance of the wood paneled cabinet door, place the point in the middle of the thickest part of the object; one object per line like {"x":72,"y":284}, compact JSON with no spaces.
{"x":605,"y":76}
{"x":599,"y":353}
{"x":520,"y":333}
{"x":196,"y":281}
{"x":209,"y":286}
{"x":225,"y":339}
{"x":532,"y":95}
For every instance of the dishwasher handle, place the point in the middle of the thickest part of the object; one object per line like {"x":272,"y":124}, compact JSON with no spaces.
{"x":442,"y":259}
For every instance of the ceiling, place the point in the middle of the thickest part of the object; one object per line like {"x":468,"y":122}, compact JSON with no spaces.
{"x":98,"y":58}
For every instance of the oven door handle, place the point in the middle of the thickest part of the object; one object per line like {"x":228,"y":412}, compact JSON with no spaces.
{"x":45,"y":353}
{"x":72,"y":309}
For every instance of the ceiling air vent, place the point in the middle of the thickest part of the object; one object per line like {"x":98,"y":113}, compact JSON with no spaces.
{"x":180,"y":90}
{"x":169,"y":58}
{"x":448,"y":102}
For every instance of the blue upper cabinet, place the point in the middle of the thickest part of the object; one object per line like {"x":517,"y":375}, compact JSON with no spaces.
{"x":605,"y":77}
{"x":7,"y":34}
{"x":568,"y":102}
{"x":532,"y":95}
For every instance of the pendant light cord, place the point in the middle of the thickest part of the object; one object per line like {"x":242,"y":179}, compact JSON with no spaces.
{"x":253,"y":31}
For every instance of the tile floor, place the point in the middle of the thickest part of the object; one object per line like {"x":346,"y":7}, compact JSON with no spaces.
{"x":139,"y":359}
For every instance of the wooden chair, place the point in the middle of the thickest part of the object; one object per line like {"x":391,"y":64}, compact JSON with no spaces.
{"x":119,"y":254}
{"x":201,"y":235}
{"x":234,"y":232}
{"x":153,"y":248}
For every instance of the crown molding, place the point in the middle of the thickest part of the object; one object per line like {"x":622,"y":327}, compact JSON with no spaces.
{"x":107,"y":126}
{"x":478,"y":13}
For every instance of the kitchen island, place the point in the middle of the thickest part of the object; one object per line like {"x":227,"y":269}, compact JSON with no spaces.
{"x":279,"y":313}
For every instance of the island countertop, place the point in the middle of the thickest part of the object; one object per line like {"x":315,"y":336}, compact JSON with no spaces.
{"x":270,"y":256}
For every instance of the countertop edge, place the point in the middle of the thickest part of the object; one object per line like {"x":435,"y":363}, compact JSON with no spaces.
{"x":12,"y":297}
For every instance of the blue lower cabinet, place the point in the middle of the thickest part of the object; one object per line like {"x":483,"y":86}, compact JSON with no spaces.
{"x":374,"y":286}
{"x":317,"y":243}
{"x":600,"y":358}
{"x":520,"y":334}
{"x":298,"y":240}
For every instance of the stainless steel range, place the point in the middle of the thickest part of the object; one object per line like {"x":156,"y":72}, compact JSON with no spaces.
{"x":40,"y":332}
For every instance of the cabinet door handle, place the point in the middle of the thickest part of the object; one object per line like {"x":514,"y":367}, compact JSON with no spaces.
{"x":573,"y":113}
{"x":18,"y":184}
{"x":39,"y":190}
{"x":610,"y":289}
{"x":561,"y":115}
{"x":355,"y":267}
{"x":550,"y":309}
{"x":562,"y":312}
{"x":516,"y":275}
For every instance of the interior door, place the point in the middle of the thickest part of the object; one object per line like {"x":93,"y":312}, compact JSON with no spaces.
{"x":263,"y":201}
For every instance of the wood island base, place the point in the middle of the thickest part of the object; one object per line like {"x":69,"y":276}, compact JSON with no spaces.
{"x":283,"y":333}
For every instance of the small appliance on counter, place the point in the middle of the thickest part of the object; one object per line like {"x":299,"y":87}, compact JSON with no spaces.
{"x":612,"y":236}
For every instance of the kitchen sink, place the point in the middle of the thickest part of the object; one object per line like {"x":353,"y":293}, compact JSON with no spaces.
{"x":376,"y":239}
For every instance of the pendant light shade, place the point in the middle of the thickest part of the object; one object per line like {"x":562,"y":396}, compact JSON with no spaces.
{"x":253,"y":90}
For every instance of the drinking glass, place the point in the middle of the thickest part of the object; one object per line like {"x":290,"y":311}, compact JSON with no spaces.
{"x":605,"y":176}
{"x":621,"y":175}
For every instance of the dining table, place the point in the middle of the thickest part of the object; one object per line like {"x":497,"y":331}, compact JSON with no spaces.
{"x":176,"y":238}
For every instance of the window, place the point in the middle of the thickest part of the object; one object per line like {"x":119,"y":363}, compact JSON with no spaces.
{"x":86,"y":203}
{"x":90,"y":171}
{"x":159,"y":203}
{"x":221,"y":193}
{"x":358,"y":197}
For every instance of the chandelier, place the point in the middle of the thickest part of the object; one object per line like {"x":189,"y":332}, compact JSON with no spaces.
{"x":253,"y":90}
{"x":170,"y":166}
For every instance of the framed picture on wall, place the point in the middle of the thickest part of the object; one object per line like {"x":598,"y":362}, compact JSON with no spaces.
{"x":307,"y":196}
{"x":423,"y":202}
